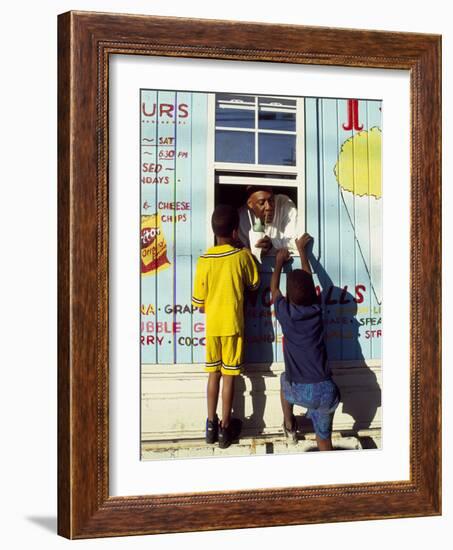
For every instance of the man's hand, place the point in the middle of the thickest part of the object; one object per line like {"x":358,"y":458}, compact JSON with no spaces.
{"x":282,"y":256}
{"x":265,"y":244}
{"x":302,"y":242}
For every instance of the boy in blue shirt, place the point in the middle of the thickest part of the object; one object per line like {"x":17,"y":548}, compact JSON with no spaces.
{"x":307,"y":380}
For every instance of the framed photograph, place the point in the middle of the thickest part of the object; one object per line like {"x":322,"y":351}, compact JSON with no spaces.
{"x":317,"y":161}
{"x":241,"y":208}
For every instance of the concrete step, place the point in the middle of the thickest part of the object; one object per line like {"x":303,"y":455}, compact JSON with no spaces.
{"x":276,"y":444}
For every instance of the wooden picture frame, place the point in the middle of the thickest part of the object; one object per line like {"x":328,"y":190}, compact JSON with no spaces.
{"x":85,"y":41}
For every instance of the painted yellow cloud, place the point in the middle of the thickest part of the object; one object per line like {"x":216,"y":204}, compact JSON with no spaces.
{"x":358,"y":168}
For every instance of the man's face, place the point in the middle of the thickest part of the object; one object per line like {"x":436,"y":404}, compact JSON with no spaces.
{"x":262,"y":204}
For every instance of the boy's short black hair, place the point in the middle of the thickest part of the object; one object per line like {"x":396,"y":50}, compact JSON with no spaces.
{"x":225,"y":219}
{"x":300,"y":288}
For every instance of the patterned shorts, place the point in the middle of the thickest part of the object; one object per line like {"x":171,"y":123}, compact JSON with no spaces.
{"x":321,"y":399}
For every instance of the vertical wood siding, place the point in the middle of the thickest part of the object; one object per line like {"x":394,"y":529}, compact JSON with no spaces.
{"x":346,"y":228}
{"x":169,"y":291}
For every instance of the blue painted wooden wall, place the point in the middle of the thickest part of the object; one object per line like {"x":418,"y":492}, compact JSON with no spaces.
{"x":168,"y":325}
{"x":345,"y":224}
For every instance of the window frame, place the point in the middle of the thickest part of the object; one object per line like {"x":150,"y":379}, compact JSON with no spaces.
{"x":258,"y":172}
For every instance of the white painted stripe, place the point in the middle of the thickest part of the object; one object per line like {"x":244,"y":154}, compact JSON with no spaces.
{"x":227,"y":367}
{"x":222,"y":254}
{"x":248,"y":180}
{"x":260,"y":168}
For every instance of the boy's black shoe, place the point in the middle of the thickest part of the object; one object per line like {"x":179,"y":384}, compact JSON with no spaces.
{"x":229,"y":434}
{"x":212,"y":430}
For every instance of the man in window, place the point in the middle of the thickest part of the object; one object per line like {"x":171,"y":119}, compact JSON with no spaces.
{"x":267,"y":222}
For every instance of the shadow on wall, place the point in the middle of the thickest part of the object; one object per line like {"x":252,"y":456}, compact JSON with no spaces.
{"x":362,"y":400}
{"x":252,"y":424}
{"x":259,"y":351}
{"x":360,"y":391}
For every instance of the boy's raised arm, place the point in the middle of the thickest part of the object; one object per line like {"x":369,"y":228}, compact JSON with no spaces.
{"x":281,"y":257}
{"x":301,"y":244}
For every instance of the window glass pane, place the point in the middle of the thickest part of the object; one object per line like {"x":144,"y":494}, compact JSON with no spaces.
{"x":235,"y":111}
{"x":277,"y":114}
{"x":234,"y":118}
{"x":269,"y":120}
{"x":277,"y":149}
{"x":234,"y":146}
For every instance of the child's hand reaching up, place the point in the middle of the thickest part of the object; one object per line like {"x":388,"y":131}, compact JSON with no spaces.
{"x":302,"y":242}
{"x":282,"y":256}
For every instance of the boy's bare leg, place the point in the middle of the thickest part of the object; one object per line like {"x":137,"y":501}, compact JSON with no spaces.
{"x":287,"y":409}
{"x":213,"y":393}
{"x":324,"y":444}
{"x":227,"y":398}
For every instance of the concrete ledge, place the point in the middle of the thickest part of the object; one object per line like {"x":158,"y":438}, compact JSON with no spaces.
{"x":197,"y":448}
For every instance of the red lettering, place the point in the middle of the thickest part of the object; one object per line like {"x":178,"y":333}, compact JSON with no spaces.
{"x":359,"y":296}
{"x":329,"y":300}
{"x":162,"y":326}
{"x":373,"y":334}
{"x":344,"y":293}
{"x":180,"y":205}
{"x":183,"y":110}
{"x":155,"y":168}
{"x":198,"y":327}
{"x":166,"y":108}
{"x":353,"y":116}
{"x":144,"y":110}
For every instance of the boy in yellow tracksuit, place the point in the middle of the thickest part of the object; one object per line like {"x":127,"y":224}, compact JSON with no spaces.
{"x":223,"y":273}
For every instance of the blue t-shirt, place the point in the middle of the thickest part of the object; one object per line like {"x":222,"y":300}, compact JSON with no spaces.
{"x":304,"y":349}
